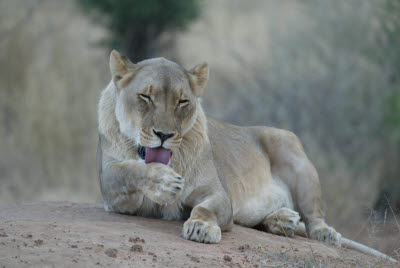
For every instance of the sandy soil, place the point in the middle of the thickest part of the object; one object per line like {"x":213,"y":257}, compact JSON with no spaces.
{"x":62,"y":234}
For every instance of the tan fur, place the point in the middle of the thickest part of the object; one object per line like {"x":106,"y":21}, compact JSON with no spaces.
{"x":219,"y":173}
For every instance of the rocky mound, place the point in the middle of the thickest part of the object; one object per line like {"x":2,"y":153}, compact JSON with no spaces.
{"x":62,"y":234}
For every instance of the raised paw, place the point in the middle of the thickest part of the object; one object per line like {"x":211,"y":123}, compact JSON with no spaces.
{"x":283,"y":222}
{"x":326,"y":234}
{"x":164,"y":185}
{"x":201,"y":231}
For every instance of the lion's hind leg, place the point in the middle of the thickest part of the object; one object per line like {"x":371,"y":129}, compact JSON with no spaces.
{"x":284,"y":222}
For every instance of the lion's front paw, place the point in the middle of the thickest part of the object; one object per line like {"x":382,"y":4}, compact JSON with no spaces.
{"x":326,"y":234}
{"x":164,"y":185}
{"x":201,"y":231}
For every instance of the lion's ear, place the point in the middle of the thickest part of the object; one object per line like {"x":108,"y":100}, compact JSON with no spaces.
{"x":199,"y":77}
{"x":121,"y":68}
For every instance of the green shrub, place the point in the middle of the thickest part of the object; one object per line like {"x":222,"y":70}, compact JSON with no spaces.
{"x":136,"y":26}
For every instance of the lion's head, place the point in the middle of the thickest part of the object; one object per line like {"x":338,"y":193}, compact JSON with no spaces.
{"x":156,"y":103}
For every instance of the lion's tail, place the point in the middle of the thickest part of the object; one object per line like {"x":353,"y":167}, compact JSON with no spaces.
{"x":348,"y":243}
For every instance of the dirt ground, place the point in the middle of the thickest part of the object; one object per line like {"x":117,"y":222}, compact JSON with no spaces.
{"x":62,"y":234}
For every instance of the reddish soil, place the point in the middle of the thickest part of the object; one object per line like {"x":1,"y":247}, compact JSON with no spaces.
{"x":62,"y":234}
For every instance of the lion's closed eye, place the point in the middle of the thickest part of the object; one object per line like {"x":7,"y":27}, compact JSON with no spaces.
{"x":146,"y":98}
{"x":183,"y":103}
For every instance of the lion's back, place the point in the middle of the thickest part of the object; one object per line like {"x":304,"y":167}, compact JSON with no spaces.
{"x":237,"y":152}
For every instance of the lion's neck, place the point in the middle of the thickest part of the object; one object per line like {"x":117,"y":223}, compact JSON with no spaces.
{"x":192,"y":145}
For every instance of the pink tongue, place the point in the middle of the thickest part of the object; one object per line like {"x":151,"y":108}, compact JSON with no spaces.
{"x":159,"y":154}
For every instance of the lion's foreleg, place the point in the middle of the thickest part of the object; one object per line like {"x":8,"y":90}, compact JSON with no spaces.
{"x":208,"y":218}
{"x":120,"y":193}
{"x":124,"y":184}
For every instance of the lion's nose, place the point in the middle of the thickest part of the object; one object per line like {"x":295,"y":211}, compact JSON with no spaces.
{"x":163,"y":136}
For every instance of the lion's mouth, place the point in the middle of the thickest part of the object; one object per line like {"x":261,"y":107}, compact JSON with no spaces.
{"x":159,"y":155}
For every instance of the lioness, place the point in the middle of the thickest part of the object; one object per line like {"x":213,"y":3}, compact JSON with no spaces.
{"x":159,"y":155}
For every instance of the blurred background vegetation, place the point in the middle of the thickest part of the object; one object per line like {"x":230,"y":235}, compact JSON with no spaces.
{"x":327,"y":70}
{"x":135,"y":27}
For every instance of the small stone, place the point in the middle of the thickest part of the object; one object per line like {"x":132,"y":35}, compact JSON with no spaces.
{"x":244,"y":247}
{"x":74,"y":246}
{"x":3,"y":235}
{"x":111,"y":252}
{"x":195,"y":259}
{"x":38,"y":242}
{"x":137,"y":248}
{"x":227,"y":258}
{"x":136,"y":240}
